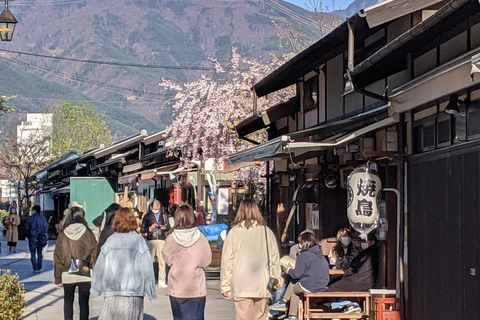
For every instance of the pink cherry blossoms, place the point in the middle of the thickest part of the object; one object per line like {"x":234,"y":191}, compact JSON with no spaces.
{"x":207,"y":110}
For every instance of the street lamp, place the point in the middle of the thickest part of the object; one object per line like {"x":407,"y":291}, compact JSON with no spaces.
{"x":7,"y":24}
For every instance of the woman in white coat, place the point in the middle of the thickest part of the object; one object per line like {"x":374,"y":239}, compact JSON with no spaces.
{"x":246,"y":262}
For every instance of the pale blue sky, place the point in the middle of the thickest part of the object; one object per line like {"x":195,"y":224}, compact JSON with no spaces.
{"x":339,"y":4}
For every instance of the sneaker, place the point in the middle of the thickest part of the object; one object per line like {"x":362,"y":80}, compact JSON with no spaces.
{"x":283,"y":316}
{"x":278,"y":307}
{"x":292,"y":318}
{"x":352,"y":309}
{"x":162,"y":284}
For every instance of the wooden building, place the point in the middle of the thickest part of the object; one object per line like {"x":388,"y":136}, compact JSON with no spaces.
{"x":397,"y":84}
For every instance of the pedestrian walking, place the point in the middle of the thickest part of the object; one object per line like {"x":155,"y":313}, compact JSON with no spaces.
{"x":12,"y":222}
{"x":36,"y":230}
{"x":155,"y":226}
{"x":104,"y":222}
{"x":249,"y":258}
{"x":74,"y":257}
{"x":187,"y":253}
{"x":124,"y":271}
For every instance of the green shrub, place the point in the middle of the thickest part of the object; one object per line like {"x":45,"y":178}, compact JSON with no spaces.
{"x":3,"y":214}
{"x":12,"y":296}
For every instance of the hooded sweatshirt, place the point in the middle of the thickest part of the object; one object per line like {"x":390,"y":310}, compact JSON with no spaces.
{"x":75,"y":242}
{"x":311,"y":270}
{"x":187,"y":252}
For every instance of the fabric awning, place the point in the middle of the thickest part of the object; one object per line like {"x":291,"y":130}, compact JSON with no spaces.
{"x":442,"y":81}
{"x":285,"y":147}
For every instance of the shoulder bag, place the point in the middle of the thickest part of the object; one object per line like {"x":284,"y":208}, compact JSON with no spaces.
{"x":272,"y":282}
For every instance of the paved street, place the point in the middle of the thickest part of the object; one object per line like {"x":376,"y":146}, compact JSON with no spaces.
{"x":46,"y":303}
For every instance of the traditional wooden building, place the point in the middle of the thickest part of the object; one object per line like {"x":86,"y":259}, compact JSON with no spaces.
{"x":395,"y":85}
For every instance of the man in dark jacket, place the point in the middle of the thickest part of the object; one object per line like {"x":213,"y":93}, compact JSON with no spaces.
{"x":155,"y":225}
{"x":36,"y":230}
{"x":363,"y":270}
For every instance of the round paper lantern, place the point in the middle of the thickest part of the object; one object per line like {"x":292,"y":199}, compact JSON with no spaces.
{"x":363,"y":191}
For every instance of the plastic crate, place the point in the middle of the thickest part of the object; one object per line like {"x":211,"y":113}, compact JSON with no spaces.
{"x":386,"y":309}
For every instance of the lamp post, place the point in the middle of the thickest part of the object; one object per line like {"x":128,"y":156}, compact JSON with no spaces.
{"x":7,"y":23}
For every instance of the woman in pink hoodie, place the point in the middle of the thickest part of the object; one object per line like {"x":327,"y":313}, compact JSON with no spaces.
{"x":187,"y":253}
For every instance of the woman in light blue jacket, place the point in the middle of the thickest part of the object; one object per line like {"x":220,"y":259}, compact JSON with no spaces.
{"x":124,"y":271}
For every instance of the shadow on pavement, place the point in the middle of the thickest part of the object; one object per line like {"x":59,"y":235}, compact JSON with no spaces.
{"x":145,"y":317}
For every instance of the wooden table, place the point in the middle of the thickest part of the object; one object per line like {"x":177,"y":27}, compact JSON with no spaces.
{"x":336,"y":272}
{"x":312,"y":312}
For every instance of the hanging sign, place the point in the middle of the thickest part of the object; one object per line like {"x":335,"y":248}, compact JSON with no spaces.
{"x":363,"y":191}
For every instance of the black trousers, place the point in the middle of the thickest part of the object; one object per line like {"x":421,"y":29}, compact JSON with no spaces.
{"x":83,"y":298}
{"x":188,"y":309}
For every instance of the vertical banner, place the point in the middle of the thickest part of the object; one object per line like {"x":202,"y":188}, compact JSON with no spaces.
{"x":363,"y":191}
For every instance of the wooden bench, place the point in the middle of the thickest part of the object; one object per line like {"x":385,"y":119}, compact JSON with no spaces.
{"x":310,"y":311}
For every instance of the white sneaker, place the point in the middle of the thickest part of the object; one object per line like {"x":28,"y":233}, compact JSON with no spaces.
{"x":278,"y":307}
{"x":353,"y":309}
{"x":162,"y":284}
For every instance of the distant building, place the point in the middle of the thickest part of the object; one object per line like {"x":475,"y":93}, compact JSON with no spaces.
{"x":35,"y":123}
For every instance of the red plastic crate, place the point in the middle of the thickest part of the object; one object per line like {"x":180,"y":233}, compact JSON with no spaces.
{"x":383,"y":306}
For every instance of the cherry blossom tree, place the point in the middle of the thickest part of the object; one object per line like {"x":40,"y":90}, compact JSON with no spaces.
{"x":207,"y":110}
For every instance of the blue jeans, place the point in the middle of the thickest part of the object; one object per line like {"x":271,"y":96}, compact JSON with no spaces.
{"x":35,"y":254}
{"x":278,"y":295}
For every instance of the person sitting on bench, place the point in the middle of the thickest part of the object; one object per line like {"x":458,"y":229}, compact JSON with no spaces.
{"x":310,"y":272}
{"x":363,"y":270}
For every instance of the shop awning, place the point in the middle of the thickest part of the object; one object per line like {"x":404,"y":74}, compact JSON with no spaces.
{"x":442,"y":81}
{"x":285,"y":147}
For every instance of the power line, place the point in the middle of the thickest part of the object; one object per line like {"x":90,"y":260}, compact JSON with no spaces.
{"x":84,"y":81}
{"x":121,"y":64}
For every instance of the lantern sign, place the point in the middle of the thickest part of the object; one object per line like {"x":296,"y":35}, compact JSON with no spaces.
{"x":363,"y":191}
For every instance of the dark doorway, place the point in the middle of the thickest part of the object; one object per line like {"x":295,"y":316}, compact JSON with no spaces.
{"x":444,"y":234}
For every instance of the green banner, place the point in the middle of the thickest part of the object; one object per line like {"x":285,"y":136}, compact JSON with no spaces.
{"x":94,"y":194}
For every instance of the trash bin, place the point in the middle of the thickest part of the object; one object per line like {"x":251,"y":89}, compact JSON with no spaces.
{"x":386,"y":309}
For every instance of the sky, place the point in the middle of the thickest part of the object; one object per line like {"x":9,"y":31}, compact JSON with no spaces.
{"x":339,"y":4}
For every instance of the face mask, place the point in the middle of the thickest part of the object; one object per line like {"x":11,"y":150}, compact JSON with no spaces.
{"x":364,"y":245}
{"x":155,"y":211}
{"x":346,"y":241}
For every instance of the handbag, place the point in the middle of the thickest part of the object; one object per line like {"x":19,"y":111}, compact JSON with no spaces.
{"x":272,"y":282}
{"x":79,"y":267}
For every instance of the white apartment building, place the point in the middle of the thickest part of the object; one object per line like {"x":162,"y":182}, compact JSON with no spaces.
{"x":35,"y":123}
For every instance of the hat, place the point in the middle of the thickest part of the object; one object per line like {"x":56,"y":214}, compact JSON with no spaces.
{"x":307,"y":231}
{"x":74,"y":204}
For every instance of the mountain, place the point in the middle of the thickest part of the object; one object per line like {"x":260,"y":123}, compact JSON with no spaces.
{"x":355,"y":7}
{"x":171,"y":39}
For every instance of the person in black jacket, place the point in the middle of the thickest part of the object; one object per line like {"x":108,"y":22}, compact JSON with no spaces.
{"x":36,"y":229}
{"x":105,"y":224}
{"x":155,"y":225}
{"x":363,"y":270}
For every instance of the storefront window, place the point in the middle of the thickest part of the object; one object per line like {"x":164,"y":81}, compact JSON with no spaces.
{"x":474,"y":121}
